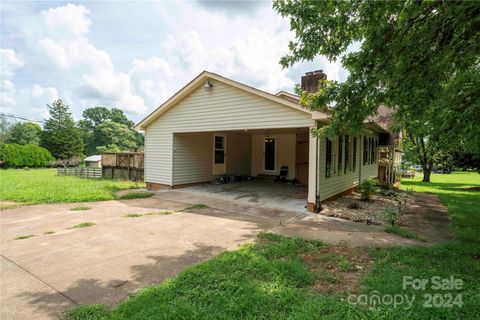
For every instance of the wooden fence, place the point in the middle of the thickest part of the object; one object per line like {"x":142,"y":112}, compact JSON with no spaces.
{"x":123,"y":165}
{"x":84,"y":172}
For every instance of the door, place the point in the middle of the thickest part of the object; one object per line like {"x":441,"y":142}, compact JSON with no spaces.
{"x":219,"y":155}
{"x":301,"y":157}
{"x":269,"y":154}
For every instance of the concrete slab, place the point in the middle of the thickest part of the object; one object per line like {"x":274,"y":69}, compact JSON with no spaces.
{"x":43,"y":275}
{"x":256,"y":192}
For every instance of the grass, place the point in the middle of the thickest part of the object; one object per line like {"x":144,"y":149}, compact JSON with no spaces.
{"x":133,"y":215}
{"x":161,"y":213}
{"x":404,"y":233}
{"x":84,"y":225}
{"x":49,"y":232}
{"x":45,"y":186}
{"x":24,"y":237}
{"x":135,"y":195}
{"x":278,"y":277}
{"x":197,"y":206}
{"x":80,"y":208}
{"x":8,"y":206}
{"x":270,"y":279}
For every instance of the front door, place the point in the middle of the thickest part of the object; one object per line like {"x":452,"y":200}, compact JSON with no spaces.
{"x":269,"y":154}
{"x":219,"y":156}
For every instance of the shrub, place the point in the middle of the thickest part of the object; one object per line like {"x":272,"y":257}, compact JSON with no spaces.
{"x":16,"y":156}
{"x":367,"y":188}
{"x":391,"y":216}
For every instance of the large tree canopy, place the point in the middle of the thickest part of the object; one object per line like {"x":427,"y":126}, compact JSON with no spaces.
{"x":419,"y":57}
{"x":108,"y":130}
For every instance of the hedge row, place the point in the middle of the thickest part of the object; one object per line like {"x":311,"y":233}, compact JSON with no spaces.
{"x":16,"y":156}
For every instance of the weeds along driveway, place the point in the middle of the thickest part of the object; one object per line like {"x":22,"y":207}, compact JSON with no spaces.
{"x":96,"y":254}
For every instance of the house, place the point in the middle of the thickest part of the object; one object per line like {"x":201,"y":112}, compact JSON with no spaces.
{"x":215,"y":126}
{"x":94,"y":161}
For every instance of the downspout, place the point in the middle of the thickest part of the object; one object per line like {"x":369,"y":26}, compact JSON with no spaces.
{"x":318,"y":204}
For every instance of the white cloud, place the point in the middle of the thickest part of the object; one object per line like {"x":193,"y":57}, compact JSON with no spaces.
{"x":154,"y":91}
{"x":67,"y":20}
{"x":48,"y":94}
{"x":253,"y":59}
{"x":9,"y":63}
{"x":154,"y":64}
{"x":74,"y":54}
{"x":113,"y":87}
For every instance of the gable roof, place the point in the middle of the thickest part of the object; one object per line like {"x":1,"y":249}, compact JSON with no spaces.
{"x":199,"y":80}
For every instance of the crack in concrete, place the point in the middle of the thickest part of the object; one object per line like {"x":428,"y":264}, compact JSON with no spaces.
{"x":41,"y":280}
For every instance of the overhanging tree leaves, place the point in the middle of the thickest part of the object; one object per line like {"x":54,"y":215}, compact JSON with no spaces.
{"x":60,"y":135}
{"x":419,"y":57}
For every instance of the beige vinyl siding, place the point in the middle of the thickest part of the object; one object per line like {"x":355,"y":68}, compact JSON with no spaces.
{"x":370,"y":171}
{"x":158,"y":155}
{"x":223,"y":108}
{"x":239,"y":152}
{"x":328,"y":187}
{"x":228,"y":108}
{"x":284,"y":154}
{"x":192,"y":157}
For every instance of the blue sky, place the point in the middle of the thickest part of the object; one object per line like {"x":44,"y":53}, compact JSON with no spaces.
{"x":133,"y":55}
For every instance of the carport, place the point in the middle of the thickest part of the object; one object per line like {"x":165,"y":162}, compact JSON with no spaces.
{"x":200,"y":157}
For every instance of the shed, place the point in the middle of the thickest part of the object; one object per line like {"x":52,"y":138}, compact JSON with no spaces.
{"x":94,"y":161}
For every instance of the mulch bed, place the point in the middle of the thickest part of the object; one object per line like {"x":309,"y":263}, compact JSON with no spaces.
{"x":370,"y":212}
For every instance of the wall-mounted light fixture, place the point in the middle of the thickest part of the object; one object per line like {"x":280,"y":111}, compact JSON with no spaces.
{"x":208,"y":85}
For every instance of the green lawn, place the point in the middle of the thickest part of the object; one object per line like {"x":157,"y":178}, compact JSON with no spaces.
{"x":44,"y":186}
{"x":291,"y":278}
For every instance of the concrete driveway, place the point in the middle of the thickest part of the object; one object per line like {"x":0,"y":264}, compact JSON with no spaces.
{"x":43,"y":275}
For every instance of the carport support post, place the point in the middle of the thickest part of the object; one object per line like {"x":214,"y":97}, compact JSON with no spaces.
{"x":312,"y":205}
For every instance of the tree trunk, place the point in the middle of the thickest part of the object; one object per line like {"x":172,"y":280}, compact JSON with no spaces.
{"x":427,"y":170}
{"x":426,"y":174}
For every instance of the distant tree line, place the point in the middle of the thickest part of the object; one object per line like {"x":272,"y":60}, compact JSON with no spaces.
{"x":100,"y":130}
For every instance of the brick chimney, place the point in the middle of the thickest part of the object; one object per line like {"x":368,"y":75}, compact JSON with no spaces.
{"x":311,"y":79}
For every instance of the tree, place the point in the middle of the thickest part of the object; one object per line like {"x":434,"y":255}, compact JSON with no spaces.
{"x":25,"y":133}
{"x":60,"y":135}
{"x":16,"y":156}
{"x":99,"y":137}
{"x":419,"y":57}
{"x":114,"y":137}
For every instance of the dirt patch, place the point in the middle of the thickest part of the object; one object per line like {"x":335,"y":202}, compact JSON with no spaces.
{"x":338,"y":268}
{"x":350,"y":207}
{"x":128,"y":191}
{"x":428,"y":218}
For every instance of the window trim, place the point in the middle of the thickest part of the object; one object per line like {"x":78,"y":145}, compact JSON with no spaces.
{"x":224,"y":149}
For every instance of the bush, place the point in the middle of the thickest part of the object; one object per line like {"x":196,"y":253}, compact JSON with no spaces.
{"x":16,"y":156}
{"x":368,"y":188}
